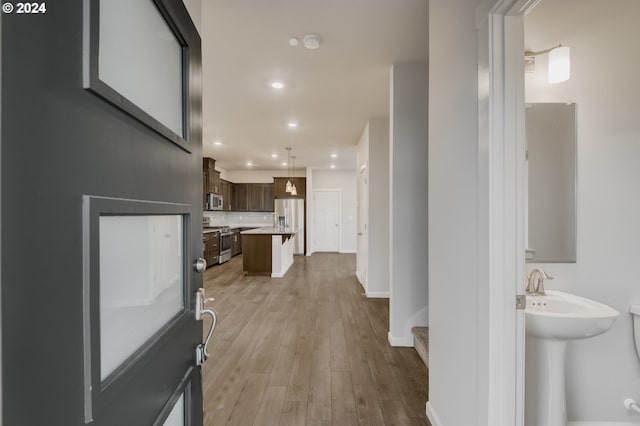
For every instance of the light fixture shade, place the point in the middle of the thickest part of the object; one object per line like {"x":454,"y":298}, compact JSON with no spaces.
{"x":288,"y":187}
{"x":294,"y":190}
{"x":559,"y":64}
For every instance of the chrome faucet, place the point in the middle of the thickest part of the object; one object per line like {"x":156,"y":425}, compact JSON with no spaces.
{"x":535,"y":287}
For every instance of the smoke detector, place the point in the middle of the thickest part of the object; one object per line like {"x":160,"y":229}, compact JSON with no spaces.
{"x":311,"y":41}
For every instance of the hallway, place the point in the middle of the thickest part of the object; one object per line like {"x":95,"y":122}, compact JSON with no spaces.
{"x":307,"y":349}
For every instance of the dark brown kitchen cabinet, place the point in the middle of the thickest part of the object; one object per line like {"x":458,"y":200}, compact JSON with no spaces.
{"x":226,"y":189}
{"x":211,"y":246}
{"x":210,"y":179}
{"x":256,"y":201}
{"x":267,"y":197}
{"x":253,"y":197}
{"x":214,"y":182}
{"x":261,"y":197}
{"x":241,"y":197}
{"x":280,"y":184}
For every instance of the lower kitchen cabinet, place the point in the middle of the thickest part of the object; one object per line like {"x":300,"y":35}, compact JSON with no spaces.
{"x":211,"y":243}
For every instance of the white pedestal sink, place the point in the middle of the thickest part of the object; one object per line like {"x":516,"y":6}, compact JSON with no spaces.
{"x":551,"y":321}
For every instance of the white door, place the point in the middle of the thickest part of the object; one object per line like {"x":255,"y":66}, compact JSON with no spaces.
{"x":327,"y":220}
{"x":363,"y":245}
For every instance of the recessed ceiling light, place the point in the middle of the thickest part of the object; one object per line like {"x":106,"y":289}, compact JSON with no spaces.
{"x":334,"y":155}
{"x":333,"y":166}
{"x":218,"y":143}
{"x":274,"y":155}
{"x":249,"y":163}
{"x":292,"y":124}
{"x":294,"y":41}
{"x":277,"y":85}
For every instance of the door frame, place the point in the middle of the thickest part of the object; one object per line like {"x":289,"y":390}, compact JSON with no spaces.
{"x":502,"y":201}
{"x":1,"y":376}
{"x":315,"y":206}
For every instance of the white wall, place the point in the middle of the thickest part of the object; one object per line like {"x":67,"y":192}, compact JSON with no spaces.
{"x":456,"y":396}
{"x":345,"y":181}
{"x":603,"y":371}
{"x":408,"y":270}
{"x":257,"y":176}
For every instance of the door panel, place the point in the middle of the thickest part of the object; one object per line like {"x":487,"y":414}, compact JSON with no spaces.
{"x":362,"y":258}
{"x":327,"y":220}
{"x":70,"y":158}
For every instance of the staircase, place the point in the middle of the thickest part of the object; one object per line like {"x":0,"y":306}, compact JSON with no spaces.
{"x":421,"y":343}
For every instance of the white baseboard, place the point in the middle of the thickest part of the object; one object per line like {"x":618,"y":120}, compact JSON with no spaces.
{"x":347,"y":252}
{"x":432,"y":416}
{"x":435,"y":420}
{"x":402,"y":341}
{"x":377,"y":294}
{"x":603,"y":424}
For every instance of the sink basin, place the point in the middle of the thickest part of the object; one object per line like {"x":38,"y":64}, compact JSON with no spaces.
{"x":563,"y":316}
{"x":552,"y":321}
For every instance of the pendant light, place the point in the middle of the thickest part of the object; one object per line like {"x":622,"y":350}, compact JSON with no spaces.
{"x":294,"y":190}
{"x":288,"y":186}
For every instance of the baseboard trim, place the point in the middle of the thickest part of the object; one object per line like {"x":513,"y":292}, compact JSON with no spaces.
{"x":403,"y":342}
{"x":432,"y":416}
{"x":377,"y":294}
{"x":603,"y":424}
{"x":435,"y":420}
{"x":347,"y":252}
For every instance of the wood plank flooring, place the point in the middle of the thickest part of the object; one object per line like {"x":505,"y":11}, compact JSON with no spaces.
{"x":306,"y":349}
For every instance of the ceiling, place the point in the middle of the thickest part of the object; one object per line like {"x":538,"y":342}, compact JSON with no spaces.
{"x":331,"y":91}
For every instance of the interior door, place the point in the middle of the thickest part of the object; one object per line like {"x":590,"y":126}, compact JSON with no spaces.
{"x":363,"y":212}
{"x":327,"y":220}
{"x":102,"y":209}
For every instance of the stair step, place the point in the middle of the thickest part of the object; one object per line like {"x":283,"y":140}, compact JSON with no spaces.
{"x":421,"y":343}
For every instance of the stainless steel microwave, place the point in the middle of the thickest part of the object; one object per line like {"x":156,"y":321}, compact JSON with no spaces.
{"x":214,"y":201}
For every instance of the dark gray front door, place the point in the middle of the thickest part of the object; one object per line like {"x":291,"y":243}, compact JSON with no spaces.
{"x":101,"y":220}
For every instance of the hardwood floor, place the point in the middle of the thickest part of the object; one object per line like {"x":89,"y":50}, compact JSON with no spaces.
{"x":306,"y":349}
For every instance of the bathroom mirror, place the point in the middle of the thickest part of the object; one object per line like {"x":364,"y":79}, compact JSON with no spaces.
{"x":551,"y":164}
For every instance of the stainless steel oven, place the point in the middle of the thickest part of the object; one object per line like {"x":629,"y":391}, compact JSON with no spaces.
{"x":225,"y":245}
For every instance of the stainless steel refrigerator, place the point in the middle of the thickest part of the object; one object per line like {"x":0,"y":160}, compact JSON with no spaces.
{"x":293,"y":211}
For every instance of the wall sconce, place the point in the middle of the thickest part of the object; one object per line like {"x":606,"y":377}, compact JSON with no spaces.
{"x":559,"y":63}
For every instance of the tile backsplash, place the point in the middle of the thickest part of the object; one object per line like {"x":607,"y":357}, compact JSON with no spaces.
{"x":239,"y":218}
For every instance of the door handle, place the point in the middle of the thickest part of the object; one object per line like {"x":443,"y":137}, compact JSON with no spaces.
{"x":360,"y":234}
{"x":202,"y":350}
{"x":200,"y":265}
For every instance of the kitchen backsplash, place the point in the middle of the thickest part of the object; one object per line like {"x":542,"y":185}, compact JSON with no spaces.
{"x":240,"y":218}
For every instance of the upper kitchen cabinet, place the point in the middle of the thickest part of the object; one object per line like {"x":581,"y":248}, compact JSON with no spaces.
{"x":268,"y":190}
{"x":211,"y":177}
{"x":256,"y":201}
{"x":241,"y":197}
{"x":280,"y":184}
{"x":253,"y":197}
{"x":226,"y":189}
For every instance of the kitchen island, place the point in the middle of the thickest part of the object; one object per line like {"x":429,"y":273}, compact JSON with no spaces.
{"x":267,"y":251}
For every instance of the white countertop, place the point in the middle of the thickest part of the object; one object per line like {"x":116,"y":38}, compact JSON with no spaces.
{"x":270,"y":230}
